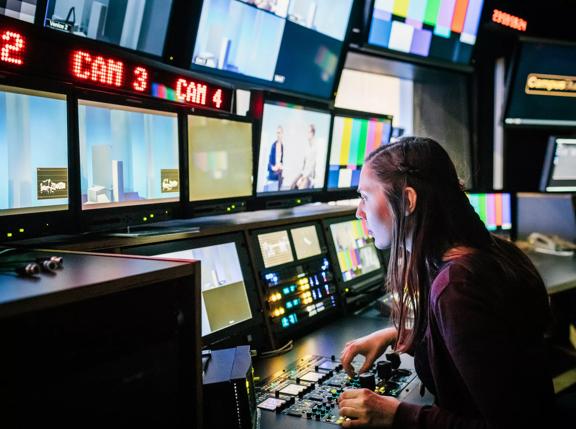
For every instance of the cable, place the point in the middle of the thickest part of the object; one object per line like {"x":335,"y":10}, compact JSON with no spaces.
{"x":285,"y":348}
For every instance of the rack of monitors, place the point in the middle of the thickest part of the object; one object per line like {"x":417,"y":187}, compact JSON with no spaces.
{"x":295,"y":277}
{"x":230,"y":304}
{"x":360,"y":265}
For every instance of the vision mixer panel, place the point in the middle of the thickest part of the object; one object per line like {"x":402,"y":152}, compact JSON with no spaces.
{"x":309,"y":388}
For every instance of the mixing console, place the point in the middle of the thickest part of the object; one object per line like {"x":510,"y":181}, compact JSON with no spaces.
{"x":310,"y":387}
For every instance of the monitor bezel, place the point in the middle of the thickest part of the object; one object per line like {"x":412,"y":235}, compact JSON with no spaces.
{"x":110,"y":218}
{"x":250,"y":83}
{"x":240,"y":328}
{"x":349,"y":192}
{"x":548,"y":167}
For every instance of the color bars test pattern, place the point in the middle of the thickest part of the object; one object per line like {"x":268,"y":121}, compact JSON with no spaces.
{"x":494,"y":210}
{"x":349,"y":258}
{"x":410,"y":26}
{"x":352,"y":140}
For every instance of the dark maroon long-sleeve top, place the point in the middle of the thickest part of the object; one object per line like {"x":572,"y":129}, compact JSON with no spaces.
{"x":483,"y":355}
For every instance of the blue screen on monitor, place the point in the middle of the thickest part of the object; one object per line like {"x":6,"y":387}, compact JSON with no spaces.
{"x":128,"y":156}
{"x":33,"y":151}
{"x":293,"y":45}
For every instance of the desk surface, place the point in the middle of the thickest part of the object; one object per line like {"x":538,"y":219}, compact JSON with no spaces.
{"x":558,"y":272}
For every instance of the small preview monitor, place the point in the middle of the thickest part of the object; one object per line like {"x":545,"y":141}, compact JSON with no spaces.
{"x":559,"y":172}
{"x":354,"y":136}
{"x":494,"y":209}
{"x":33,"y":151}
{"x":355,"y":250}
{"x":24,"y":10}
{"x":293,"y":149}
{"x":275,"y":248}
{"x":219,"y":158}
{"x":440,"y":30}
{"x":224,"y":298}
{"x":128,"y":156}
{"x":291,"y":45}
{"x":138,"y":25}
{"x":306,"y":242}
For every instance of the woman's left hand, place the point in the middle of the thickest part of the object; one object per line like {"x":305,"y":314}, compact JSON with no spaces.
{"x":367,"y":408}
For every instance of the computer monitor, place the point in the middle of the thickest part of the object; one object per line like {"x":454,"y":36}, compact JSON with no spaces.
{"x":293,"y":149}
{"x":33,"y":151}
{"x":559,"y":171}
{"x":354,"y":248}
{"x":229,"y":300}
{"x":306,"y":241}
{"x":444,"y":31}
{"x":24,"y":10}
{"x":275,"y":248}
{"x":219,"y":158}
{"x":354,"y":136}
{"x":290,"y":45}
{"x":128,"y":155}
{"x":551,"y":214}
{"x":494,"y":209}
{"x":137,"y":25}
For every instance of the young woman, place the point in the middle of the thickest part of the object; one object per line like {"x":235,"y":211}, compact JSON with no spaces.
{"x":471,"y":307}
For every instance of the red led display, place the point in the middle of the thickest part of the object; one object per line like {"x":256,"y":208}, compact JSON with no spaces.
{"x":52,"y":56}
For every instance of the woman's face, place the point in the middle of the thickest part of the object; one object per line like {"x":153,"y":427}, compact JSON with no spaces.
{"x":374,"y":208}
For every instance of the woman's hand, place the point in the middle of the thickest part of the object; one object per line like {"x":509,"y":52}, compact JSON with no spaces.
{"x":367,"y":408}
{"x":371,"y":347}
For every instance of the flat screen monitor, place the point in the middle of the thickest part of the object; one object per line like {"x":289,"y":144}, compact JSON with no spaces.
{"x":291,"y":45}
{"x":128,"y":155}
{"x":24,"y":10}
{"x":138,"y":25}
{"x":494,"y":209}
{"x":33,"y":151}
{"x":220,"y":158}
{"x":440,"y":30}
{"x":354,"y":136}
{"x":355,"y":250}
{"x":541,"y":85}
{"x":275,"y":248}
{"x":224,"y":298}
{"x":559,"y":172}
{"x":551,"y":214}
{"x":306,"y":241}
{"x":293,"y":149}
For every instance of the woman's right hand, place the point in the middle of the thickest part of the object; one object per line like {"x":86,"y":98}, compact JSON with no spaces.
{"x":371,"y":347}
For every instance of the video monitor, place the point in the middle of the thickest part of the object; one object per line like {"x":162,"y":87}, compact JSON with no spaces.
{"x":24,"y":10}
{"x":541,"y":85}
{"x":128,"y":155}
{"x":220,"y":158}
{"x":559,"y":172}
{"x":546,"y":213}
{"x":306,"y":241}
{"x":440,"y":30}
{"x":354,"y":136}
{"x":293,"y":149}
{"x":33,"y":151}
{"x":224,"y":298}
{"x":138,"y":25}
{"x":355,"y":250}
{"x":291,"y":45}
{"x":494,"y":209}
{"x":275,"y":248}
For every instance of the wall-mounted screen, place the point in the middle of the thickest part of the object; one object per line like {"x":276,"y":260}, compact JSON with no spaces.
{"x":306,"y":242}
{"x":275,"y":248}
{"x":24,"y":10}
{"x":353,"y":138}
{"x":559,"y":172}
{"x":293,"y":148}
{"x":220,"y":158}
{"x":293,"y":45}
{"x":224,"y":299}
{"x":494,"y":209}
{"x":128,"y":156}
{"x":33,"y":151}
{"x":443,"y":30}
{"x":354,"y":248}
{"x":139,"y":25}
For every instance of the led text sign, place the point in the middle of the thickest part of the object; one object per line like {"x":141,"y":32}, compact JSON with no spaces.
{"x":508,"y":20}
{"x":86,"y":66}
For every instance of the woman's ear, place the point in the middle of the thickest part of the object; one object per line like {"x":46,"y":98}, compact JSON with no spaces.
{"x":411,"y":197}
